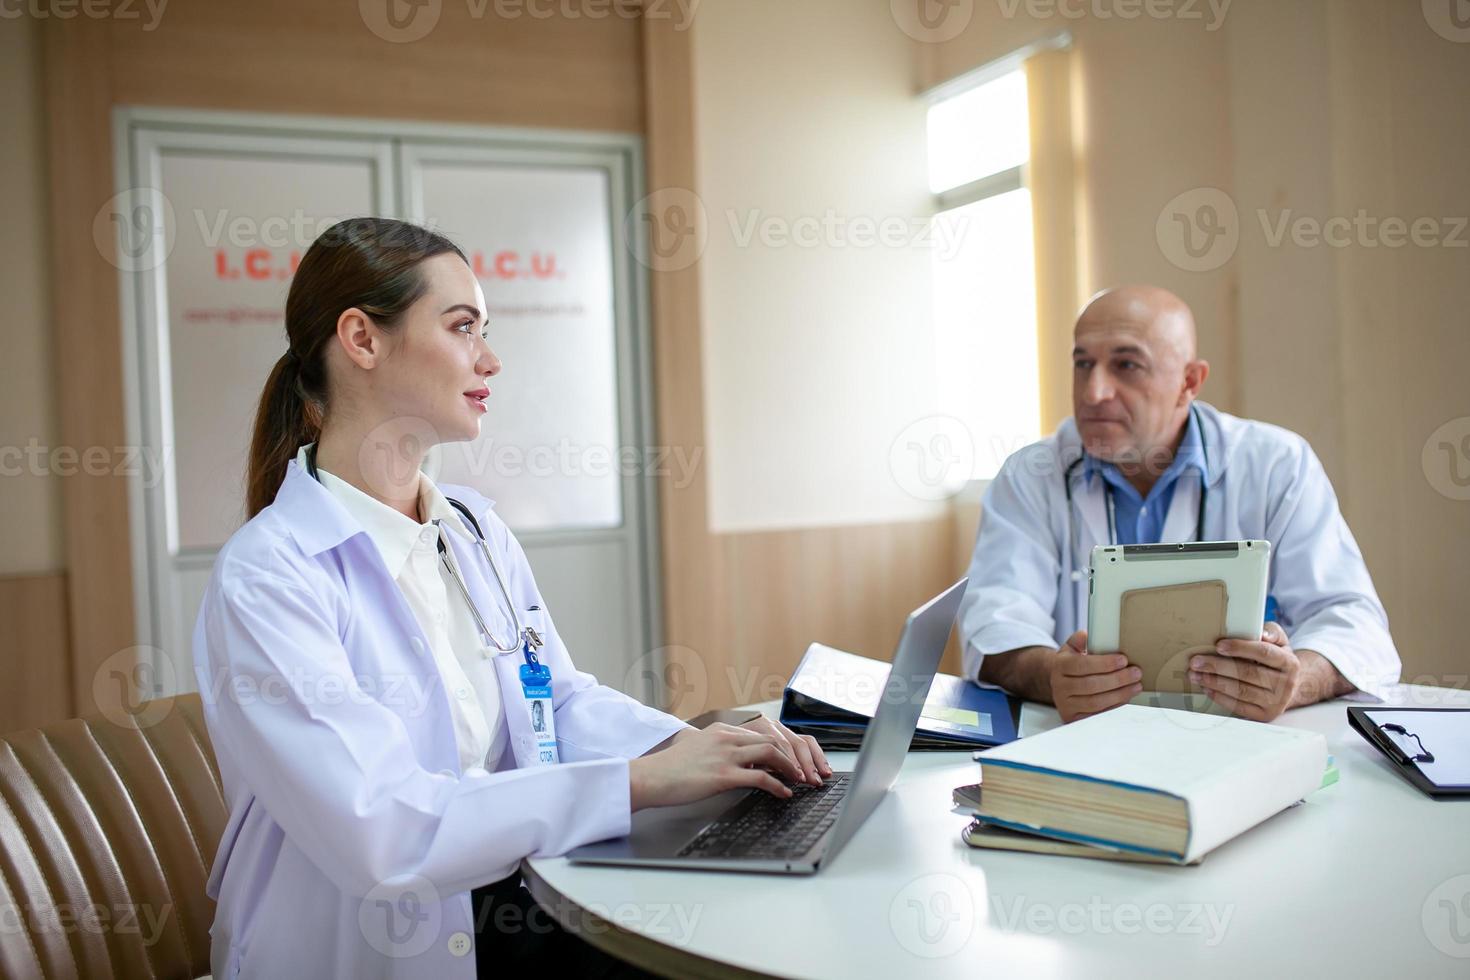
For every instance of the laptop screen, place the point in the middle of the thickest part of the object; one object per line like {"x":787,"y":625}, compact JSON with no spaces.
{"x":886,"y":741}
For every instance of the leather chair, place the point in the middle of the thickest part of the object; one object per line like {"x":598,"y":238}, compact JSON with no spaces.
{"x":108,"y":828}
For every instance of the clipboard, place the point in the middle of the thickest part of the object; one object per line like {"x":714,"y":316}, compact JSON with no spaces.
{"x":1441,"y":733}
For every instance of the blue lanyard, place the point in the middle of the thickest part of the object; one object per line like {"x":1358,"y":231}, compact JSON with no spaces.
{"x":536,"y":688}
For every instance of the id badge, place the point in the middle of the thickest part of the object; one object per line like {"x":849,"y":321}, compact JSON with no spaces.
{"x":531,"y":718}
{"x":536,"y":690}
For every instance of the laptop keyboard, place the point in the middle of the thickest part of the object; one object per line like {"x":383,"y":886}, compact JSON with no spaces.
{"x":764,"y":826}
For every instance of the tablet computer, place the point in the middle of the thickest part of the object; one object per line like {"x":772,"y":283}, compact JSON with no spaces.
{"x":1159,"y":604}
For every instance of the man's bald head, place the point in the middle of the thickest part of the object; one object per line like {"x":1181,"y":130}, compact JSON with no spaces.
{"x":1135,"y":373}
{"x":1153,"y":311}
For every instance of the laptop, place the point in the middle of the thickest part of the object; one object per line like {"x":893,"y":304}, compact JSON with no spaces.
{"x":750,"y":830}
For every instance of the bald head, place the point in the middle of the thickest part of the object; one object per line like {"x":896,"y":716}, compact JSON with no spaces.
{"x":1136,"y":371}
{"x":1154,"y":313}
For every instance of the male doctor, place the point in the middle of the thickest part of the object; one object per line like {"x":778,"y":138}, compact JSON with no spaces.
{"x":1131,"y":467}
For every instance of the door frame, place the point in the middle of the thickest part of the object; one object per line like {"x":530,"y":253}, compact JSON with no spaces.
{"x":137,"y":131}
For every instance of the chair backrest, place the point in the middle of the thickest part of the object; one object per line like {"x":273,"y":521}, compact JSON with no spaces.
{"x":108,"y":828}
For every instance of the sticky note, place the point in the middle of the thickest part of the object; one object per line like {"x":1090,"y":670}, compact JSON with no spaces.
{"x":955,"y":716}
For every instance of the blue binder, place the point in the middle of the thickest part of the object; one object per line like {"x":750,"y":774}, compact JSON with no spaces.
{"x":833,"y":694}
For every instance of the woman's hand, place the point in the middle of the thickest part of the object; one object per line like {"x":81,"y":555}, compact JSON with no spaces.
{"x":699,"y":764}
{"x":803,"y":749}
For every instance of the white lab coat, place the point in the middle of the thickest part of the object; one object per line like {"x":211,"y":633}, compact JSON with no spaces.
{"x":1265,"y":483}
{"x":354,"y":837}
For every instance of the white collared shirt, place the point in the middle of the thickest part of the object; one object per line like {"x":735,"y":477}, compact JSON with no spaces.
{"x":411,"y":552}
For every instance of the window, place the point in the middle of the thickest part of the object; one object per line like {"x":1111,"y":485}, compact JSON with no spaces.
{"x":984,"y":271}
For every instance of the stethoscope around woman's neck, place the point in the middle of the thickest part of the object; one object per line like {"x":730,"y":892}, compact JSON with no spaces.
{"x":1199,"y":521}
{"x":524,"y":637}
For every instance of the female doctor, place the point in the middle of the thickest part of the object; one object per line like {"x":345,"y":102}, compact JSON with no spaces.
{"x":375,"y":654}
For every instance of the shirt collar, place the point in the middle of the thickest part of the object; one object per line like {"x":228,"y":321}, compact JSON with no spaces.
{"x":1191,"y":453}
{"x":394,"y":534}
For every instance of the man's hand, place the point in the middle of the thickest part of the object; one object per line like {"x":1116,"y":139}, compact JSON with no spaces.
{"x":1084,"y":683}
{"x":1259,"y":679}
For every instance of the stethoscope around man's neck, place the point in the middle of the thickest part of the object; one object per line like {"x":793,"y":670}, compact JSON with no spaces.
{"x":524,"y":637}
{"x":1199,"y":521}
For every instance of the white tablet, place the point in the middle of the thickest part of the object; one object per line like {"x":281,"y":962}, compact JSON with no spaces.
{"x":1170,"y":601}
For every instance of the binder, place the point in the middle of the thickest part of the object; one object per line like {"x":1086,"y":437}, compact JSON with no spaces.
{"x":833,"y":694}
{"x":1430,"y":747}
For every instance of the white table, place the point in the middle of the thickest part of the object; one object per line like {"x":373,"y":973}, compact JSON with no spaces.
{"x":1367,"y":878}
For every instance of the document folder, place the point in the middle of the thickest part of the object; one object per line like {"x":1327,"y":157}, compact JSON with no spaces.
{"x":833,"y":694}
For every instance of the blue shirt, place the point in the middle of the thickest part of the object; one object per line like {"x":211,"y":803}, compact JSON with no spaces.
{"x":1140,"y":520}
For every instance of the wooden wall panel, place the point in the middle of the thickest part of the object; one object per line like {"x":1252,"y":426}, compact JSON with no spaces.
{"x":88,"y":344}
{"x":848,"y":587}
{"x":1403,"y":337}
{"x":37,"y":688}
{"x":320,"y":57}
{"x":695,"y":605}
{"x":1052,"y":179}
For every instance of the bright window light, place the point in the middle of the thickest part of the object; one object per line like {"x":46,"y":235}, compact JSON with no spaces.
{"x":985,"y":280}
{"x":979,"y":133}
{"x":985,"y":321}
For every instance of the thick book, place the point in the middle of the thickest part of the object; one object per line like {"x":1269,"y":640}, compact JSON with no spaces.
{"x":984,"y":835}
{"x":981,"y":834}
{"x":833,"y":694}
{"x":1152,"y":781}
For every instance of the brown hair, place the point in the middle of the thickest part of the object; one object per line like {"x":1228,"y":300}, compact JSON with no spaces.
{"x":368,"y":263}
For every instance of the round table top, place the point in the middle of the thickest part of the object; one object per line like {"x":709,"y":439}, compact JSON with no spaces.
{"x":1368,"y":876}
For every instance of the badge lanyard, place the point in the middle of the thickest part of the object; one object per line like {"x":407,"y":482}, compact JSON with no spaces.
{"x":536,"y":688}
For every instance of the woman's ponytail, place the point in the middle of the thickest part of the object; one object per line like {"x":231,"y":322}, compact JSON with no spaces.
{"x":286,"y":420}
{"x":371,"y":264}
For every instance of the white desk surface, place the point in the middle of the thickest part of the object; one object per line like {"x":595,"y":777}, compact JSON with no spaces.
{"x":1367,"y":878}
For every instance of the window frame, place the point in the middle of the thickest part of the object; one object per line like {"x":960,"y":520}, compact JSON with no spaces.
{"x":1002,"y":181}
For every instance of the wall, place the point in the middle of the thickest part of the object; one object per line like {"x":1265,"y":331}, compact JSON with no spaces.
{"x":319,"y":57}
{"x":33,"y":585}
{"x":1151,"y":120}
{"x":819,"y":345}
{"x":748,"y":602}
{"x":30,"y":521}
{"x":794,"y":366}
{"x":1323,"y":107}
{"x":477,"y":62}
{"x":1357,"y":342}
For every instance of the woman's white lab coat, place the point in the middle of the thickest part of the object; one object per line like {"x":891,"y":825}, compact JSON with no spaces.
{"x":1265,"y":483}
{"x":354,"y":838}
